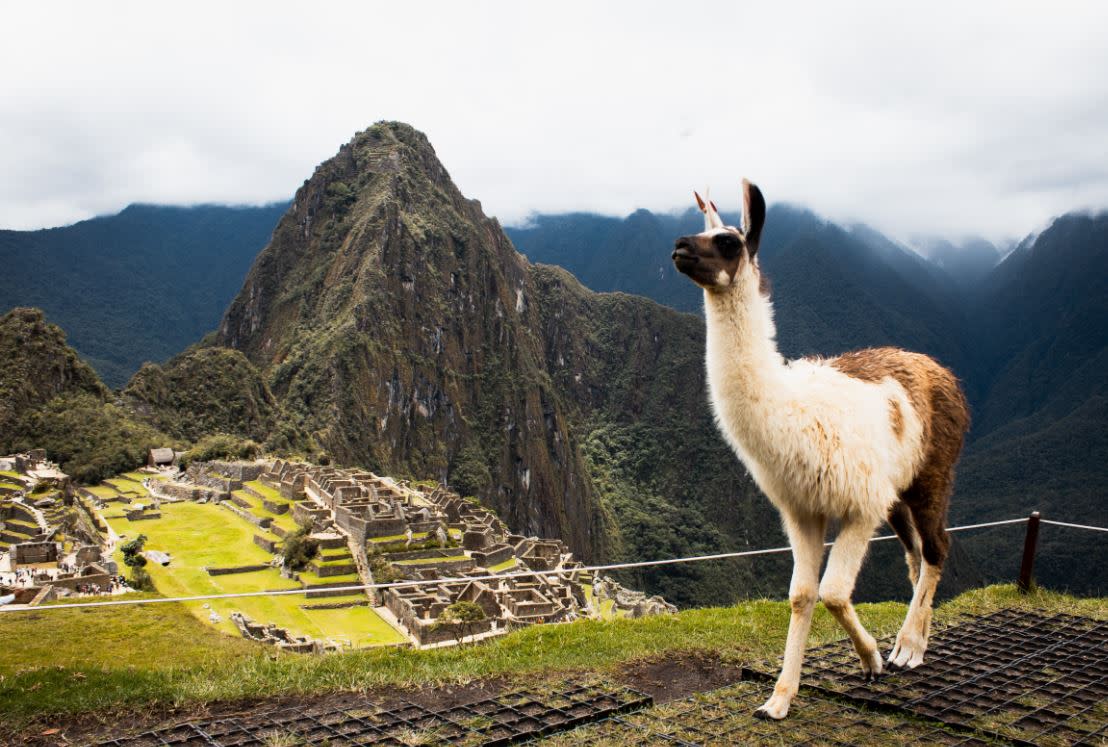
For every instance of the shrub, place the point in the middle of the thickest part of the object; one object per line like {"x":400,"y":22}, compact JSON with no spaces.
{"x":299,"y":549}
{"x":220,"y":446}
{"x":470,"y":473}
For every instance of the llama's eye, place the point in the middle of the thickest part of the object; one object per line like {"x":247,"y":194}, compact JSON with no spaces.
{"x":728,"y":244}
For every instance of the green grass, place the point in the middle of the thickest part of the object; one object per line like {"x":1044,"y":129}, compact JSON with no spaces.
{"x":285,"y":520}
{"x":454,"y":534}
{"x":11,"y":486}
{"x":424,"y":561}
{"x":200,"y":535}
{"x":112,"y":660}
{"x":104,"y":491}
{"x":511,"y":562}
{"x":265,"y":491}
{"x":140,"y":476}
{"x":312,"y":579}
{"x":9,"y":473}
{"x":129,"y":487}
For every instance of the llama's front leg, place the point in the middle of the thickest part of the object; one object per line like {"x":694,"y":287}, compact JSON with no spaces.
{"x":806,"y":538}
{"x":837,"y":588}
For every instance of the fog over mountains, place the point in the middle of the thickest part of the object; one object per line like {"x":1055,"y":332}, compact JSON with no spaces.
{"x":392,"y":324}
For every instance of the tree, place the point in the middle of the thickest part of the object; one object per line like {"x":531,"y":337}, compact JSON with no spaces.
{"x":463,"y":618}
{"x":136,"y":561}
{"x":298,"y":549}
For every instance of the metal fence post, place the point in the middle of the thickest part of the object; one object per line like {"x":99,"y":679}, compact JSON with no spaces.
{"x":1030,"y":540}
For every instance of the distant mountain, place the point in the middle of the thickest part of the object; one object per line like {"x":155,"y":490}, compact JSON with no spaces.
{"x":835,"y":288}
{"x":137,"y":286}
{"x":966,"y":262}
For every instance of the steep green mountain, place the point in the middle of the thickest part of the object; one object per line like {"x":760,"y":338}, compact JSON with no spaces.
{"x":50,"y":398}
{"x":208,"y":390}
{"x":399,"y":325}
{"x":137,"y":286}
{"x":36,"y":365}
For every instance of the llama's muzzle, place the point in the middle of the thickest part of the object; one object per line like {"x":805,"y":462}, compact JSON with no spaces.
{"x":684,"y":253}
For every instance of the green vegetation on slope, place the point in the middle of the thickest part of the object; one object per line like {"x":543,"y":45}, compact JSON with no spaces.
{"x":35,"y":366}
{"x":89,"y":438}
{"x":210,"y":390}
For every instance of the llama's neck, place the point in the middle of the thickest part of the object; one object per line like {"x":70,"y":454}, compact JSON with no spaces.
{"x":745,"y":369}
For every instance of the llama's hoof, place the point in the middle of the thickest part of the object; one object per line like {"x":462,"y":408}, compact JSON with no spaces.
{"x":872,"y":666}
{"x":907,"y":654}
{"x":775,"y":709}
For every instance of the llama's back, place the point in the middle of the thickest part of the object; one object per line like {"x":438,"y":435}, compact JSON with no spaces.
{"x":933,"y":390}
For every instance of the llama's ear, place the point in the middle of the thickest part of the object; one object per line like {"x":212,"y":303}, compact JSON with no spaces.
{"x":711,"y":215}
{"x":754,"y":216}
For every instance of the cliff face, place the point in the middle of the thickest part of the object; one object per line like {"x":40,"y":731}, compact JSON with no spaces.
{"x":397,"y":323}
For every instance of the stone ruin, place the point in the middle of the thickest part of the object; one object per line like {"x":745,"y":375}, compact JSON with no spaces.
{"x":272,"y":635}
{"x":635,"y":603}
{"x":386,"y":531}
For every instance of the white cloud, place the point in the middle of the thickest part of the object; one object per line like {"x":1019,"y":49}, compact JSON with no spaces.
{"x":941,"y":118}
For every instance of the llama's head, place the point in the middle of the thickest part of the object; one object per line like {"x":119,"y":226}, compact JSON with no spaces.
{"x":712,"y":259}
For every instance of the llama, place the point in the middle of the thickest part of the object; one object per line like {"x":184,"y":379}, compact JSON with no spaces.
{"x":866,"y":437}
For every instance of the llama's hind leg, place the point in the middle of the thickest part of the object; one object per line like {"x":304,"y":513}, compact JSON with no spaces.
{"x":837,"y":588}
{"x":900,"y":519}
{"x":911,"y":641}
{"x":806,"y":538}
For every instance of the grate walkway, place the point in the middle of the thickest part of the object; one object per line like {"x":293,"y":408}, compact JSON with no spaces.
{"x":1010,"y":678}
{"x":1014,"y":675}
{"x":725,"y":717}
{"x":518,"y":716}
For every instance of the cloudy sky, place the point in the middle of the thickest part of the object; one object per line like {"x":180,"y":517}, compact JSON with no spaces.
{"x":952,"y":119}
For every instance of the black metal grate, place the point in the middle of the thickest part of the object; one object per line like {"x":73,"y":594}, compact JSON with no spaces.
{"x":506,"y":719}
{"x":1016,"y":675}
{"x":725,"y":717}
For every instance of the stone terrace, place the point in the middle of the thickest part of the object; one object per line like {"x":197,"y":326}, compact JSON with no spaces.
{"x":402,"y":532}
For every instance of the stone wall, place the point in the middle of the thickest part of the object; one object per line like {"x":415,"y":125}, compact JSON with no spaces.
{"x":28,"y":553}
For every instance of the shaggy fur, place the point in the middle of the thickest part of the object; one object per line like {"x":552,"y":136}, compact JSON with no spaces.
{"x":867,"y":437}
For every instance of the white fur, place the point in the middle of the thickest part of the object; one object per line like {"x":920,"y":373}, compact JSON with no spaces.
{"x":814,"y":439}
{"x":821,"y":445}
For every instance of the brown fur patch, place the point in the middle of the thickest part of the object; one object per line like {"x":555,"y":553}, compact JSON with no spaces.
{"x":937,"y":398}
{"x":896,"y":417}
{"x":764,"y":286}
